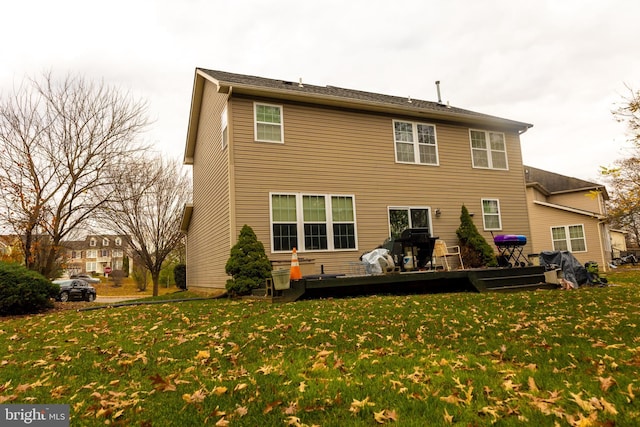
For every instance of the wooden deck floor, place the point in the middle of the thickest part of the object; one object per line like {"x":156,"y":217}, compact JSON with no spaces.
{"x":468,"y":280}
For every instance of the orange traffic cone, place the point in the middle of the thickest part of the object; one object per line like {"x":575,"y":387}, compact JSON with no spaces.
{"x":295,"y":266}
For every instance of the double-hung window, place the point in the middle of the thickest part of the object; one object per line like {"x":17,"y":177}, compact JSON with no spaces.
{"x":488,"y":149}
{"x":312,"y":222}
{"x":569,"y":238}
{"x":415,"y":143}
{"x":491,"y":214}
{"x":268,"y":123}
{"x":92,"y":253}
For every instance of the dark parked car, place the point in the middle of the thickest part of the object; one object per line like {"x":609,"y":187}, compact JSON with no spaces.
{"x":86,"y":277}
{"x":75,"y":289}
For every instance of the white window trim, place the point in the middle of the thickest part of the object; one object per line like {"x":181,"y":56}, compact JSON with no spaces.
{"x":92,"y":253}
{"x":255,"y":123}
{"x":91,"y":264}
{"x":415,"y":143}
{"x":224,"y":126}
{"x":487,"y":134}
{"x":105,"y":242}
{"x":568,"y":237}
{"x":118,"y":241}
{"x":484,"y":222}
{"x":300,"y":221}
{"x":92,"y":242}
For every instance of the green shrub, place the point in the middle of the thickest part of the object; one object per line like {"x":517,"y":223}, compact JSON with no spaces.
{"x":475,"y":250}
{"x":180,"y":276}
{"x":23,"y":291}
{"x":248,"y":264}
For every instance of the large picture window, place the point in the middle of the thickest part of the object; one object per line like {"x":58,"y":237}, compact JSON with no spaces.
{"x":569,"y":238}
{"x":268,"y":123}
{"x":401,"y":218}
{"x":415,"y":143}
{"x":488,"y":149}
{"x":491,"y":214}
{"x":323,"y":222}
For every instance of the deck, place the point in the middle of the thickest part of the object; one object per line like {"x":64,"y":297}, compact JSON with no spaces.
{"x":468,"y":280}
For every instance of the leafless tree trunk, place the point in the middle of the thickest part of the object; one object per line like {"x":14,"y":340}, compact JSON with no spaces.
{"x":147,"y":206}
{"x":60,"y":141}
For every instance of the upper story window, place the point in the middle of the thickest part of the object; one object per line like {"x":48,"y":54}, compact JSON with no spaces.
{"x":491,"y":214}
{"x":224,"y":121}
{"x":118,"y":241}
{"x":105,"y":242}
{"x":569,"y":238}
{"x":92,"y":242}
{"x":92,"y":253}
{"x":268,"y":123}
{"x":104,"y":253}
{"x":415,"y":142}
{"x":312,"y":222}
{"x":488,"y":149}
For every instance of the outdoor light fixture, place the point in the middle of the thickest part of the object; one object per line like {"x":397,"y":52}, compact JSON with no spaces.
{"x":438,"y":212}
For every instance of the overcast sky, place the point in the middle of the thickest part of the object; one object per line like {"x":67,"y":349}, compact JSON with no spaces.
{"x":561,"y":65}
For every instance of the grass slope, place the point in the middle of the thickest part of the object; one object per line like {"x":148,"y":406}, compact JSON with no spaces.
{"x":539,"y":358}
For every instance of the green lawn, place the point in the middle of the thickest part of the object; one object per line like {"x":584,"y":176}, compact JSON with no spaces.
{"x":539,"y":358}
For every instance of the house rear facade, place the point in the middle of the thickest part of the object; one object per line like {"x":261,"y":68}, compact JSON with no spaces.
{"x":334,"y":172}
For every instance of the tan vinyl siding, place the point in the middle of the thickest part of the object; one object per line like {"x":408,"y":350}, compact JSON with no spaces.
{"x":332,"y":151}
{"x":209,"y":231}
{"x":578,"y":200}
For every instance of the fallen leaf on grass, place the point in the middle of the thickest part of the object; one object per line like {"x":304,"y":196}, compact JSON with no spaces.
{"x":447,"y":418}
{"x":385,"y":415}
{"x":160,"y":384}
{"x":219,"y":391}
{"x":606,"y":383}
{"x":270,"y":407}
{"x":358,"y":405}
{"x":196,"y":397}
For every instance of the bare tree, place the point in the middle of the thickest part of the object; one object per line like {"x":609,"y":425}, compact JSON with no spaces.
{"x":147,"y":205}
{"x":60,"y":140}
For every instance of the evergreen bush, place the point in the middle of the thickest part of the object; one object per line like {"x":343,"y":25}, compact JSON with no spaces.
{"x":248,"y":264}
{"x":475,"y":250}
{"x":23,"y":291}
{"x":180,"y":276}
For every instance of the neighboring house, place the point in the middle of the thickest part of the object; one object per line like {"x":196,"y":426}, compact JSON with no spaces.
{"x":618,"y":243}
{"x":96,"y":252}
{"x":568,"y":213}
{"x":334,"y":172}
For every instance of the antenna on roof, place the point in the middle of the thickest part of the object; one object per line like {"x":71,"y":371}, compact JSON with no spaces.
{"x":300,"y":83}
{"x":438,"y":88}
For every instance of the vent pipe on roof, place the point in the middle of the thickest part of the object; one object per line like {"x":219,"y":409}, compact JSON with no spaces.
{"x":300,"y":83}
{"x":438,"y":88}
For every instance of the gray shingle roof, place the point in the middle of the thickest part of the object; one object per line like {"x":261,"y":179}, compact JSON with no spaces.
{"x":283,"y":86}
{"x":556,"y":183}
